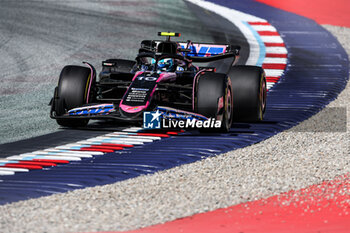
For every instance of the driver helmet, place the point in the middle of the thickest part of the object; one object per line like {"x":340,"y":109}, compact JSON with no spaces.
{"x":166,"y":64}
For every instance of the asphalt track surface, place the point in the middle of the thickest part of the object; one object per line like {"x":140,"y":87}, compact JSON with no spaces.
{"x":39,"y":39}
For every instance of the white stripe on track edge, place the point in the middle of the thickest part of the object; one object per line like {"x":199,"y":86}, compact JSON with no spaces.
{"x":116,"y":141}
{"x":274,"y":49}
{"x":271,"y":39}
{"x":273,"y":73}
{"x":14,"y":169}
{"x":74,"y":152}
{"x":62,"y":154}
{"x":50,"y":157}
{"x":6,"y":173}
{"x":275,"y":60}
{"x":269,"y":85}
{"x":268,"y":28}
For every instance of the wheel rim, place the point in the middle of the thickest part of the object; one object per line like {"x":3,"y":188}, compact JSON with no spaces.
{"x":229,"y":107}
{"x":262,"y":97}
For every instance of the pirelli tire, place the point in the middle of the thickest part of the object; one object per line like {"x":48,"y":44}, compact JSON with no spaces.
{"x":249,"y":93}
{"x":72,"y":91}
{"x":214,"y":99}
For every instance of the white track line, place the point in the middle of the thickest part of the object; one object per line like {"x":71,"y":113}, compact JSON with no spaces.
{"x":29,"y":156}
{"x":264,"y":28}
{"x":275,"y":60}
{"x":273,"y":73}
{"x":6,"y":173}
{"x":274,"y":49}
{"x":74,"y":152}
{"x":269,"y":85}
{"x":14,"y":169}
{"x":133,"y":136}
{"x":128,"y":139}
{"x":62,"y":154}
{"x":271,"y":39}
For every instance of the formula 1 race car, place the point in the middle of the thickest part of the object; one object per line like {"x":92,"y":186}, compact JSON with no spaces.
{"x":164,"y":78}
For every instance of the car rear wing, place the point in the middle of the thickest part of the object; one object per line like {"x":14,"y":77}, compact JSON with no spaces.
{"x":197,"y":52}
{"x":195,"y":49}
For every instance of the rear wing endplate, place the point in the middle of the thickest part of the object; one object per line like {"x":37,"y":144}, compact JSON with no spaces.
{"x":208,"y":49}
{"x":197,"y":52}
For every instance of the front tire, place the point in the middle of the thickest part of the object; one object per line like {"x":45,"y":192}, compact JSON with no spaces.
{"x":72,"y":91}
{"x":249,"y":93}
{"x":214,"y":98}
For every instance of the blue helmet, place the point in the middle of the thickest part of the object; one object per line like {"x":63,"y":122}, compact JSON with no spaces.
{"x":166,"y":64}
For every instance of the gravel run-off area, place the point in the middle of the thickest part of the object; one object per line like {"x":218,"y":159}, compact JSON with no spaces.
{"x":302,"y":156}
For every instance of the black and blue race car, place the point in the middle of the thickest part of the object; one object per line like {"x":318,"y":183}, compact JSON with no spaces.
{"x":164,"y":77}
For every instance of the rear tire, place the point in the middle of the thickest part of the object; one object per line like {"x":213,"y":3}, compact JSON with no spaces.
{"x":71,"y":92}
{"x":249,"y":93}
{"x":210,"y":88}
